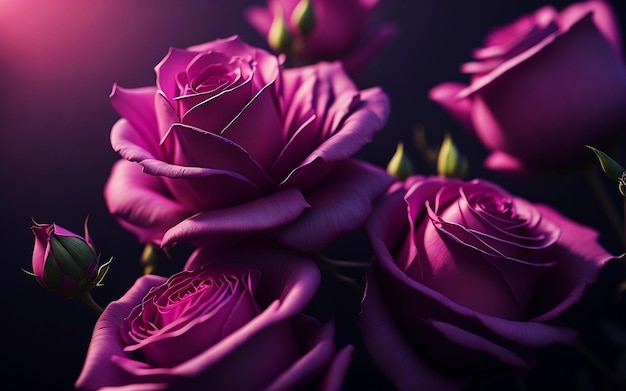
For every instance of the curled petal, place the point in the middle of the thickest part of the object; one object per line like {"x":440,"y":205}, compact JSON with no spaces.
{"x":215,"y":226}
{"x":140,"y":202}
{"x":340,"y":204}
{"x":136,"y":105}
{"x":564,"y":284}
{"x":357,"y":130}
{"x":391,"y":352}
{"x":134,"y":144}
{"x":98,"y":370}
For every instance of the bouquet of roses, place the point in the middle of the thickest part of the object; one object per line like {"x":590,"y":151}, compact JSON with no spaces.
{"x":248,"y":157}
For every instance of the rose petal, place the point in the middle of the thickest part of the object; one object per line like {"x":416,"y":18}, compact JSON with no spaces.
{"x":134,"y":144}
{"x":357,"y":130}
{"x":341,"y":204}
{"x":596,"y":97}
{"x":198,"y":148}
{"x":506,"y":164}
{"x":259,"y":120}
{"x":174,"y":62}
{"x":136,"y":105}
{"x":564,"y":284}
{"x":336,"y":373}
{"x":603,"y":17}
{"x":140,"y":201}
{"x":98,"y":370}
{"x":216,"y":226}
{"x":451,"y":344}
{"x":319,"y":342}
{"x":391,"y":352}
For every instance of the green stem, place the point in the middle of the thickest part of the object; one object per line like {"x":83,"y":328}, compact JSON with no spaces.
{"x":91,"y":303}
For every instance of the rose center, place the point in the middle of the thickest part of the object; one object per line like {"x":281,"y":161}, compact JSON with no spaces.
{"x":213,"y":78}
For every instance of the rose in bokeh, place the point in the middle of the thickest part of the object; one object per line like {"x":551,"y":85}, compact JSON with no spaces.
{"x":343,"y":30}
{"x":467,"y":280}
{"x":228,"y":322}
{"x":229,"y":138}
{"x":543,"y":87}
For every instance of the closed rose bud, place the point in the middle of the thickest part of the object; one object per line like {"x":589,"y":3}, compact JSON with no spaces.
{"x":450,"y":163}
{"x":303,"y":17}
{"x":64,"y":262}
{"x":279,"y":37}
{"x":400,"y":165}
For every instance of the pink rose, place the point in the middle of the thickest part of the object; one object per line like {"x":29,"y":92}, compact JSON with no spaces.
{"x":340,"y":31}
{"x":468,"y":279}
{"x":543,"y":87}
{"x":228,"y":144}
{"x":225,"y":323}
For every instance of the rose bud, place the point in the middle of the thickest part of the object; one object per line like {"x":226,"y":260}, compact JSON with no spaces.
{"x":450,"y":162}
{"x":303,"y":17}
{"x":279,"y":37}
{"x":400,"y":165}
{"x":65,"y":262}
{"x":327,"y":30}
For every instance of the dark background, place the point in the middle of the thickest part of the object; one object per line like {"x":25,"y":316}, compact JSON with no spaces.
{"x":58,"y":62}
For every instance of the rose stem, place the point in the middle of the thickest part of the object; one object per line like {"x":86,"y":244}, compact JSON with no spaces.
{"x":91,"y":303}
{"x":598,"y":364}
{"x":606,"y":203}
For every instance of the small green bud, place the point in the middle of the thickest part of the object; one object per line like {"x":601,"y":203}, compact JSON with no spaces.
{"x":450,"y":163}
{"x":399,"y":164}
{"x":279,"y":37}
{"x":303,"y":18}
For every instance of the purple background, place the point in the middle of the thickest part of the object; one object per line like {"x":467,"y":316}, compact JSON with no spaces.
{"x":58,"y":62}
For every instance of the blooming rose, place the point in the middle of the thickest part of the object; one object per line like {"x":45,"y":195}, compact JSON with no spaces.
{"x":227,"y":325}
{"x":340,"y":30}
{"x":543,"y":87}
{"x":468,"y":279}
{"x":229,"y":138}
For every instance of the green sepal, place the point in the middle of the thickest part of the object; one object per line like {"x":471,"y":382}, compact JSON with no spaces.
{"x":611,"y":168}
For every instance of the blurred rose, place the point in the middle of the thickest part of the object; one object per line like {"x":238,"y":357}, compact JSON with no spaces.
{"x":468,"y":279}
{"x":543,"y":87}
{"x":230,"y":139}
{"x":223,"y":324}
{"x":344,"y":30}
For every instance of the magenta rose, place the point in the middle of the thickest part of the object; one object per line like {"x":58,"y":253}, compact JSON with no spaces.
{"x":232,"y":322}
{"x":228,"y":144}
{"x":467,"y":280}
{"x":543,"y":87}
{"x":344,"y":30}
